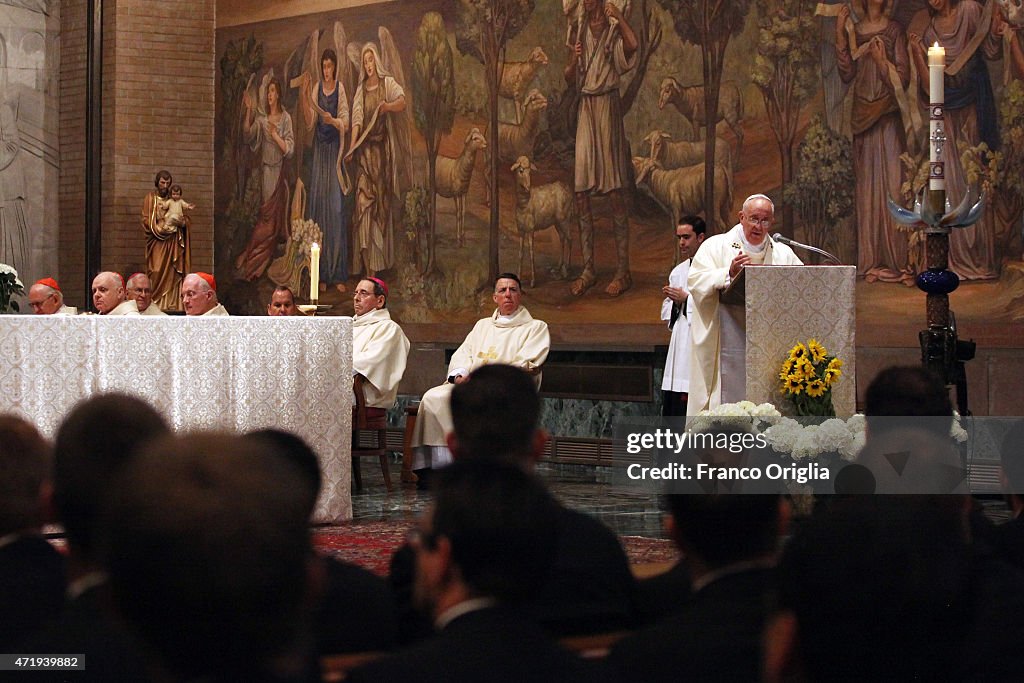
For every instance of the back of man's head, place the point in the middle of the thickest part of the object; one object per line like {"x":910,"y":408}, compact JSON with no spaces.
{"x":722,"y":529}
{"x":495,"y":414}
{"x":205,"y":539}
{"x":500,"y":521}
{"x":876,"y":586}
{"x":910,"y":392}
{"x":95,"y":440}
{"x":25,"y":461}
{"x":299,"y":455}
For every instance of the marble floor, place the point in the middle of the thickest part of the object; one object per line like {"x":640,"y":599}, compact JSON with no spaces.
{"x":580,"y":487}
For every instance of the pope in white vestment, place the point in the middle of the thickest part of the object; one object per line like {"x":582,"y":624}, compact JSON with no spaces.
{"x":511,"y":336}
{"x":379,"y":353}
{"x":715,"y":265}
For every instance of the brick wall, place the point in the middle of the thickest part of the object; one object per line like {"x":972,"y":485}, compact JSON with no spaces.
{"x":158,"y":110}
{"x":71,"y":200}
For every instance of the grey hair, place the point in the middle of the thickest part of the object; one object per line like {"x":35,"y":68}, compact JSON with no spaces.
{"x":752,"y":197}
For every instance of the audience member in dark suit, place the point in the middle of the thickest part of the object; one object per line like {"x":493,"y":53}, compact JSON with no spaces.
{"x":663,"y":594}
{"x":355,"y":609}
{"x":31,"y":570}
{"x":591,"y":589}
{"x":206,"y":541}
{"x":908,"y":448}
{"x":729,"y":543}
{"x":1009,"y":537}
{"x":890,"y":588}
{"x":96,"y":440}
{"x":482,"y":549}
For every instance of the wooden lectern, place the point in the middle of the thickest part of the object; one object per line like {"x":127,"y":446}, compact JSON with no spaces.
{"x":769,"y":309}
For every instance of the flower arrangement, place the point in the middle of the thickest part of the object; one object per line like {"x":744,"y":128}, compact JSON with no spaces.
{"x":807,"y":377}
{"x":796,"y":439}
{"x":10,"y":286}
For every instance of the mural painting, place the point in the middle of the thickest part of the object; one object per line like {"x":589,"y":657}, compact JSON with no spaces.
{"x":436,"y":144}
{"x":29,"y":59}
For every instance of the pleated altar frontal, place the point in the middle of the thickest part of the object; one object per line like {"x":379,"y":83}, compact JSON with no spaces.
{"x":235,"y":374}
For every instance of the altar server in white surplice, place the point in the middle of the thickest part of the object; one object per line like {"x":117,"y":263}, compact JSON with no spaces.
{"x":715,"y":265}
{"x":676,"y":310}
{"x":510,"y":336}
{"x":379,"y":347}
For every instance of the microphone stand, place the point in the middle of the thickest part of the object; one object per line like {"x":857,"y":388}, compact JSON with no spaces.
{"x":778,"y":237}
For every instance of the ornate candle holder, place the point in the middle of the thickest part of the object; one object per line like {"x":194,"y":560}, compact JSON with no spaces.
{"x":940,"y":349}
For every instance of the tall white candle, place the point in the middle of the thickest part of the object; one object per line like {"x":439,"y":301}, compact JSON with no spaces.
{"x":314,"y":272}
{"x":937,"y":98}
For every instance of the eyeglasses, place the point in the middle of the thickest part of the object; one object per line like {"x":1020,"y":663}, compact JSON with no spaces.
{"x":37,"y":304}
{"x":763,"y":222}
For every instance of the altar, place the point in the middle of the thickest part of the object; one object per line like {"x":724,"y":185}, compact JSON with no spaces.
{"x":225,"y":373}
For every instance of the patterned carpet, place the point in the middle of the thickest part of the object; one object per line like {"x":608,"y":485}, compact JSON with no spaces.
{"x":370,"y":544}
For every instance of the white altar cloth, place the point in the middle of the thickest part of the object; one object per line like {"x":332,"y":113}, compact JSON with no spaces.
{"x":226,"y":373}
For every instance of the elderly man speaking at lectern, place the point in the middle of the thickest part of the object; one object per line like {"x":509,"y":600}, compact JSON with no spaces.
{"x":716,"y":264}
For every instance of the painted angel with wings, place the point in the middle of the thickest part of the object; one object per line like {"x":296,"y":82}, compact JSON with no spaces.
{"x":381,"y":150}
{"x":324,"y":86}
{"x":268,"y":129}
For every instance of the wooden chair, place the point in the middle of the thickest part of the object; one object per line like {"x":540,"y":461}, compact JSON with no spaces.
{"x":364,"y":419}
{"x":411,"y":411}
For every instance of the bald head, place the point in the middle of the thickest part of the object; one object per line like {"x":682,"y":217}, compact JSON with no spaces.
{"x":197,"y":296}
{"x":107,"y":291}
{"x":44,"y":300}
{"x":140,"y":289}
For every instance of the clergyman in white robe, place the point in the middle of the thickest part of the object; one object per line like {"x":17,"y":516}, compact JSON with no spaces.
{"x":517,"y":340}
{"x":677,"y":364}
{"x":708,"y":278}
{"x":379,"y":353}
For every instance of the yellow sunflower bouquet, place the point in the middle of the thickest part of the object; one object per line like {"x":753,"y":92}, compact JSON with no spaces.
{"x":807,"y":377}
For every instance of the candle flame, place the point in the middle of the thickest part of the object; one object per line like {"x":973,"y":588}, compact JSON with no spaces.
{"x":314,"y":246}
{"x":936,"y":45}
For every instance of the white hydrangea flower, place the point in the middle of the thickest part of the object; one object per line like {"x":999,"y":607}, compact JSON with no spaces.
{"x":4,"y":268}
{"x":783,"y":435}
{"x":833,"y":435}
{"x":806,"y":445}
{"x":746,"y":406}
{"x":857,"y":446}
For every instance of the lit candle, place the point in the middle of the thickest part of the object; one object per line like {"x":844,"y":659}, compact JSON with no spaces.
{"x":937,"y":98}
{"x":314,"y":272}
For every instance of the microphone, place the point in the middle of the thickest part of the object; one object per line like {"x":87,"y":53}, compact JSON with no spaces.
{"x":778,"y":237}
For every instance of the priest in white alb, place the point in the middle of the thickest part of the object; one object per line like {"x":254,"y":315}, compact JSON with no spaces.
{"x":379,"y":347}
{"x":714,"y":267}
{"x":511,"y":336}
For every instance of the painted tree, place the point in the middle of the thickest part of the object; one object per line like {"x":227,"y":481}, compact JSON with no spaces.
{"x":241,"y":58}
{"x":433,"y":87}
{"x":709,"y":24}
{"x":787,"y":71}
{"x":483,"y":29}
{"x":1008,"y":182}
{"x":821,"y":191}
